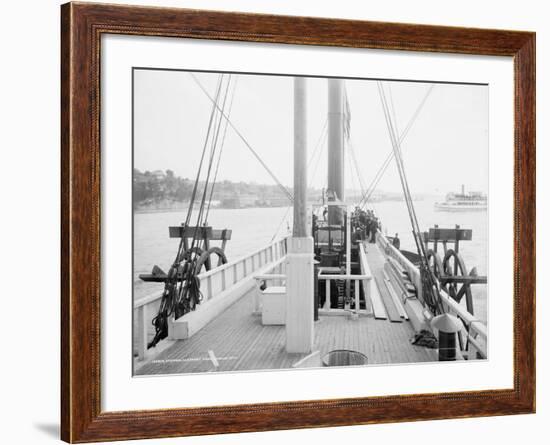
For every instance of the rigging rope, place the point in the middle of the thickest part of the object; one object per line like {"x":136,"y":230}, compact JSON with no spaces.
{"x":195,"y":186}
{"x":430,"y":286}
{"x":214,"y":142}
{"x":374,"y":183}
{"x":351,"y":169}
{"x":393,"y":109}
{"x":240,"y":135}
{"x":189,"y":289}
{"x":357,"y":170}
{"x":317,"y":150}
{"x":174,"y":297}
{"x":320,"y":152}
{"x":221,"y":148}
{"x":213,"y":146}
{"x":318,"y":144}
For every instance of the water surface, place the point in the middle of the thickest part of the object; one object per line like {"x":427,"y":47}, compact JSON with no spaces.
{"x":253,"y":228}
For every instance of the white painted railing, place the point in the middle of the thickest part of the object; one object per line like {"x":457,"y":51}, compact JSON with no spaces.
{"x":219,"y":279}
{"x":477,"y":335}
{"x":477,"y":332}
{"x":212,"y":282}
{"x":410,"y":268}
{"x":356,"y":280}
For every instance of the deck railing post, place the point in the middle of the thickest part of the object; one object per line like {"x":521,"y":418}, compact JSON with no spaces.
{"x":209,"y":287}
{"x":357,"y":295}
{"x":327,"y":294}
{"x":142,"y":331}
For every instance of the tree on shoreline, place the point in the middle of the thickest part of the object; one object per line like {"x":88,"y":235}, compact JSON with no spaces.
{"x":153,"y":187}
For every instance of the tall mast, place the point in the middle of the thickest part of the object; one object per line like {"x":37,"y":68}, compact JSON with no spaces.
{"x":299,"y":263}
{"x":335,"y":148}
{"x":300,"y":159}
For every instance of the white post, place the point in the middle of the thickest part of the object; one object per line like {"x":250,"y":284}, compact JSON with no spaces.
{"x":357,"y":297}
{"x":299,"y":263}
{"x":142,"y":331}
{"x":209,"y":287}
{"x":348,"y":257}
{"x":299,"y":307}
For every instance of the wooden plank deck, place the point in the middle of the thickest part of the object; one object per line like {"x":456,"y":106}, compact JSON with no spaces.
{"x":376,"y":262}
{"x":237,"y":341}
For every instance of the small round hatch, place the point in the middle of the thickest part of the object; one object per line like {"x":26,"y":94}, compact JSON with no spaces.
{"x":344,"y":357}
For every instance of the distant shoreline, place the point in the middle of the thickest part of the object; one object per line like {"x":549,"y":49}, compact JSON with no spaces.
{"x":184,"y":209}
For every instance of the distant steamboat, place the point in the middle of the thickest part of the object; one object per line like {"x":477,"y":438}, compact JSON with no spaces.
{"x":463,"y":202}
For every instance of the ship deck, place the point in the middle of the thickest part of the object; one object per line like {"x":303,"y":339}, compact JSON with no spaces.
{"x":236,"y":340}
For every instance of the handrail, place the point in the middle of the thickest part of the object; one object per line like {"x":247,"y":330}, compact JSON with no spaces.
{"x":396,"y":254}
{"x":358,"y":279}
{"x":468,"y":318}
{"x":350,"y":277}
{"x":218,"y":270}
{"x":149,"y":298}
{"x":405,"y":263}
{"x":266,"y":277}
{"x":471,"y":321}
{"x":473,"y":325}
{"x":241,"y":258}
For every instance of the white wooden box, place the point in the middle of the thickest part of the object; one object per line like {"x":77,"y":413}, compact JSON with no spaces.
{"x":274,"y":305}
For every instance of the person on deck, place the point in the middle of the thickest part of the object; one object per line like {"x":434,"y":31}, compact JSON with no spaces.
{"x":396,"y":242}
{"x":356,"y":236}
{"x":373,"y":228}
{"x":313,"y":224}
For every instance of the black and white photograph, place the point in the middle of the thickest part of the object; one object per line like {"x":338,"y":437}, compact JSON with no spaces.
{"x":286,"y":222}
{"x":240,"y":222}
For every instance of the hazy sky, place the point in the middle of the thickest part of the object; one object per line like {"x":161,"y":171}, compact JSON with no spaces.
{"x":446,"y":146}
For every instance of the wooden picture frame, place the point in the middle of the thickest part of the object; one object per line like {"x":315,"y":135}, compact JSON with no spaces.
{"x":82,"y":26}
